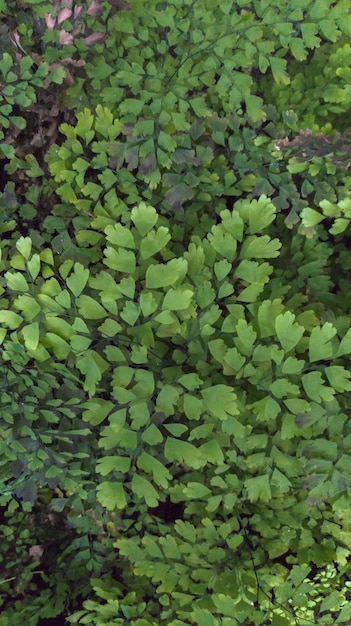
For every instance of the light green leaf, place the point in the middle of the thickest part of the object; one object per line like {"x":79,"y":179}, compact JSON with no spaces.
{"x":339,"y":378}
{"x":154,"y":242}
{"x":267,"y":314}
{"x":10,"y":319}
{"x":177,"y":299}
{"x":144,"y":490}
{"x":160,"y":474}
{"x":59,"y":326}
{"x":260,"y":248}
{"x":108,"y":464}
{"x":111,"y":495}
{"x":167,"y":399}
{"x":33,"y":266}
{"x":258,"y":214}
{"x":16,"y":281}
{"x":246,"y":337}
{"x":220,"y":400}
{"x":120,"y":236}
{"x":212,"y":452}
{"x":121,"y":260}
{"x":152,"y":435}
{"x":31,"y":335}
{"x":87,"y":363}
{"x":60,"y":347}
{"x":183,"y":452}
{"x":90,"y":309}
{"x":320,"y":347}
{"x":96,"y":410}
{"x":78,"y":279}
{"x":24,"y":246}
{"x":158,"y":276}
{"x":144,"y":218}
{"x":258,"y":488}
{"x":278,"y":67}
{"x":288,"y":332}
{"x":310,"y":217}
{"x":148,"y":303}
{"x":313,"y":385}
{"x":345,"y":344}
{"x":193,"y":407}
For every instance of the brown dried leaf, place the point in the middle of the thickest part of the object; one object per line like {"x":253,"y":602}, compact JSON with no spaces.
{"x":63,"y":15}
{"x":69,"y":80}
{"x":76,"y":30}
{"x":95,"y":9}
{"x":77,"y":11}
{"x":65,"y":37}
{"x":16,"y":39}
{"x":50,"y":21}
{"x":95,"y":38}
{"x":36,"y":552}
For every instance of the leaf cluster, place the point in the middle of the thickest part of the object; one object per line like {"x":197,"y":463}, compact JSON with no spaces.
{"x":174,"y":317}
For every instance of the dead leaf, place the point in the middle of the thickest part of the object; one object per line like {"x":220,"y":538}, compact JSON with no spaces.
{"x":65,"y":37}
{"x":63,"y":15}
{"x":95,"y":38}
{"x":77,"y":11}
{"x":16,"y":38}
{"x":50,"y":21}
{"x":95,"y":9}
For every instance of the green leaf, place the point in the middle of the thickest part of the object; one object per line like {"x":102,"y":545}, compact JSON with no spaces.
{"x":278,"y":67}
{"x":24,"y":246}
{"x":10,"y":319}
{"x":258,"y":214}
{"x":260,"y":248}
{"x":88,"y":365}
{"x":267,"y":314}
{"x":158,"y":276}
{"x":313,"y":385}
{"x":120,"y":236}
{"x":111,"y":495}
{"x":108,"y":464}
{"x":177,"y":299}
{"x":31,"y":336}
{"x":96,"y":410}
{"x":220,"y":401}
{"x":78,"y":279}
{"x":258,"y":488}
{"x":160,"y":474}
{"x":59,"y":346}
{"x":199,"y":107}
{"x":339,"y":378}
{"x":183,"y":452}
{"x":345,"y":344}
{"x":152,"y":435}
{"x":120,"y":260}
{"x":90,"y":309}
{"x":154,"y":242}
{"x":193,"y":407}
{"x":16,"y":281}
{"x":144,"y":490}
{"x":320,"y":347}
{"x":148,"y":303}
{"x":84,"y":125}
{"x":144,"y":218}
{"x":167,"y":399}
{"x":288,"y":332}
{"x":310,"y":217}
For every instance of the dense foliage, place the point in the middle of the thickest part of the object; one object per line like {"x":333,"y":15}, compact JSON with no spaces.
{"x":175,"y":436}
